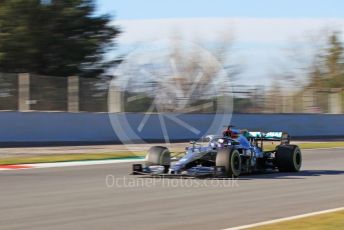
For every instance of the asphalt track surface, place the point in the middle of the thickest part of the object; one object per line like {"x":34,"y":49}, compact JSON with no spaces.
{"x":79,"y":197}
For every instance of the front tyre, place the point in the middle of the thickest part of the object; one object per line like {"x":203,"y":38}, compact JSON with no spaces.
{"x":231,"y":160}
{"x":158,"y":155}
{"x":288,"y":158}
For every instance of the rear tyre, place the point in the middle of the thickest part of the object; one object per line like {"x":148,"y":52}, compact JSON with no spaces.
{"x":231,"y":160}
{"x":158,"y":155}
{"x":288,"y":158}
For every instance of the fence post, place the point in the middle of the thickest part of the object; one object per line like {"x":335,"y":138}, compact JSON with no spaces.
{"x":73,"y":94}
{"x":308,"y":100}
{"x":115,"y":100}
{"x":342,"y":99}
{"x":285,"y":105}
{"x":291,"y":102}
{"x":335,"y":101}
{"x":23,"y":92}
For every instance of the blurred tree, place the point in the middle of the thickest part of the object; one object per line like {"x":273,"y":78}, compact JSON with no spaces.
{"x":201,"y":72}
{"x":334,"y":55}
{"x":333,"y":59}
{"x":55,"y":37}
{"x":326,"y":71}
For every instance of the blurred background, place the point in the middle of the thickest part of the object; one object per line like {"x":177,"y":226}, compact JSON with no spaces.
{"x":58,"y":55}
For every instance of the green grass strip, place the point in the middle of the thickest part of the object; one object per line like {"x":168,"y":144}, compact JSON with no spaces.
{"x":330,"y":221}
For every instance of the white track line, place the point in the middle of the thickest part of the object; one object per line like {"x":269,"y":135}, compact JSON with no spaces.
{"x":286,"y":219}
{"x":72,"y":163}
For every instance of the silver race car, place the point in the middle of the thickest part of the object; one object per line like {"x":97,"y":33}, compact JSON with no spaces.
{"x":229,"y":155}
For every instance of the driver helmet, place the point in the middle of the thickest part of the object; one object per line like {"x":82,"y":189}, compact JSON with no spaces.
{"x":232,"y":133}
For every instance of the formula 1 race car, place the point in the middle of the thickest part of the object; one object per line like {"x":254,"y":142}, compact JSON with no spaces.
{"x":234,"y":153}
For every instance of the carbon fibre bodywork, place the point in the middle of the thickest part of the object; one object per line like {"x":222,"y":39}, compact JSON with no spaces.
{"x":201,"y":159}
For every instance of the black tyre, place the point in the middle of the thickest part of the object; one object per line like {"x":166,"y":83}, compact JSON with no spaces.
{"x":231,"y":160}
{"x":158,"y":155}
{"x":288,"y":158}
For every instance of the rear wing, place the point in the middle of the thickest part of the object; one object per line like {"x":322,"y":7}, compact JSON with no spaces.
{"x":271,"y":136}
